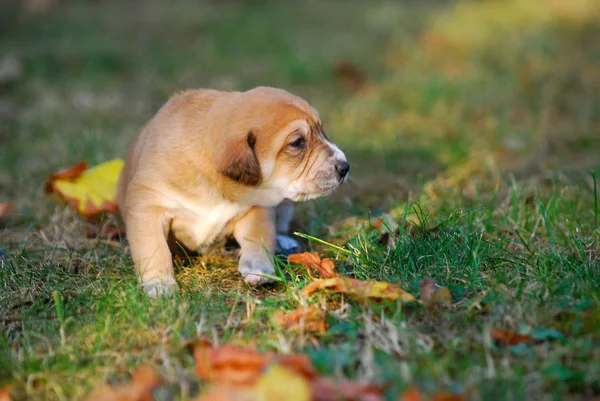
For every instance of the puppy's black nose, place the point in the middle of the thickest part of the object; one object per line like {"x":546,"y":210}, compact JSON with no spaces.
{"x":342,"y":168}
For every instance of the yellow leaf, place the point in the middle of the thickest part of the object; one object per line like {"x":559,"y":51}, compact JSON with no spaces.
{"x":442,"y":296}
{"x":432,"y":296}
{"x":280,"y":383}
{"x":376,"y":290}
{"x":90,"y":191}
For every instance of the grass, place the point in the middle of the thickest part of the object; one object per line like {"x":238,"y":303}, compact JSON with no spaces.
{"x":479,"y":123}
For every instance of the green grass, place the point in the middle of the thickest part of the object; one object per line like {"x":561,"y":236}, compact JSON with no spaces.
{"x":478,"y":123}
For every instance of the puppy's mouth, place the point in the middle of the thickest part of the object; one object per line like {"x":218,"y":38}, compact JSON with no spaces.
{"x":321,"y":191}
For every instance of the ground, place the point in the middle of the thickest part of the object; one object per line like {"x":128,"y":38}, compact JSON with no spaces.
{"x":474,"y":125}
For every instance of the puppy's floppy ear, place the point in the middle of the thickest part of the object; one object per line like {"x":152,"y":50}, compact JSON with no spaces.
{"x":239,"y":162}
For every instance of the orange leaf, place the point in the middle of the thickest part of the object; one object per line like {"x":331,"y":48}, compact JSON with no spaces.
{"x":411,"y":394}
{"x":4,"y":209}
{"x":509,"y":337}
{"x":5,"y":394}
{"x":325,"y":267}
{"x":326,"y":389}
{"x":308,"y":319}
{"x":69,"y":173}
{"x":140,"y":388}
{"x":241,"y":366}
{"x":91,"y":191}
{"x":376,"y":290}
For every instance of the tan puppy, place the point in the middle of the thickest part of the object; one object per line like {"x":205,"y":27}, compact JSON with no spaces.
{"x":211,"y":164}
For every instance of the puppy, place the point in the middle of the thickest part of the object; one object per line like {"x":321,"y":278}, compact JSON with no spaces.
{"x":211,"y":164}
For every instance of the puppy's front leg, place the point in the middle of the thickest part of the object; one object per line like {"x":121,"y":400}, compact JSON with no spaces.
{"x":255,"y":232}
{"x":147,"y":235}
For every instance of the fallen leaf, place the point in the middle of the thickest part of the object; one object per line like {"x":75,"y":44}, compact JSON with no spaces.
{"x":427,"y":289}
{"x":241,"y":366}
{"x":277,"y":383}
{"x":326,"y":389}
{"x":411,"y":394}
{"x":91,"y":191}
{"x":509,"y":337}
{"x":325,"y":267}
{"x":281,"y":383}
{"x":432,"y":296}
{"x":4,"y":209}
{"x":305,"y":319}
{"x":241,"y":374}
{"x":5,"y":394}
{"x":140,"y":388}
{"x":376,"y":290}
{"x":442,"y":297}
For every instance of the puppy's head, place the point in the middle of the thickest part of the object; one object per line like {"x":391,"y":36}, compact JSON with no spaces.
{"x":274,"y":145}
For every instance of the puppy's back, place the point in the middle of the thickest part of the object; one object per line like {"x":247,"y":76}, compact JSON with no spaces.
{"x":168,"y":131}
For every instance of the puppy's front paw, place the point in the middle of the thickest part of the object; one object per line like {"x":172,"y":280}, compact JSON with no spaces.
{"x":254,"y":268}
{"x":160,"y":287}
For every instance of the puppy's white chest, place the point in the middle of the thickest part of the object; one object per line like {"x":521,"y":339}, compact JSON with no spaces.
{"x":199,"y":226}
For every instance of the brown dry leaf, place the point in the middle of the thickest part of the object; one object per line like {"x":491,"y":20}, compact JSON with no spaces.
{"x":4,"y":209}
{"x":326,"y":389}
{"x":305,"y":319}
{"x":509,"y":337}
{"x":325,"y":267}
{"x":427,"y":289}
{"x":375,"y":290}
{"x":5,"y":394}
{"x":140,"y":388}
{"x":240,"y":366}
{"x":91,"y":191}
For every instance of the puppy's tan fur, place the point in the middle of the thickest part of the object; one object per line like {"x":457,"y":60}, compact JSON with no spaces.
{"x":211,"y":164}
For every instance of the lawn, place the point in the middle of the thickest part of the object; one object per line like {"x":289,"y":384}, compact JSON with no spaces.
{"x":472,"y":126}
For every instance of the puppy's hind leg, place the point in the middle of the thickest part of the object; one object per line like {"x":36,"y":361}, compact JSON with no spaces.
{"x":147,"y":235}
{"x":255,"y":232}
{"x":284,"y":214}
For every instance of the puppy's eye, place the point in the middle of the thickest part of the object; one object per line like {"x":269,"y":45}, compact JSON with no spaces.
{"x":298,"y":143}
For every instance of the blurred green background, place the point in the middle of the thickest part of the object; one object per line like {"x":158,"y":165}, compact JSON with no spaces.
{"x":409,"y":89}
